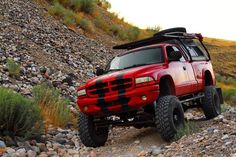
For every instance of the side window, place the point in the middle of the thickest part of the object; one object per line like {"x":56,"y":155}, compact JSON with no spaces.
{"x":196,"y":51}
{"x":182,"y":59}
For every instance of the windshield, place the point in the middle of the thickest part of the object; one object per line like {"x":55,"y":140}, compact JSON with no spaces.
{"x":137,"y":58}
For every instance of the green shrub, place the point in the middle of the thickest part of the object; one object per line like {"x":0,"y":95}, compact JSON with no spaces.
{"x":123,"y":34}
{"x":115,"y":29}
{"x":75,"y":4}
{"x":67,"y":15}
{"x":87,"y":6}
{"x":100,"y":23}
{"x":104,"y":4}
{"x":230,"y":95}
{"x":13,"y":68}
{"x":133,"y":33}
{"x":53,"y":107}
{"x":69,"y":18}
{"x":154,"y":29}
{"x":57,"y":9}
{"x":188,"y":129}
{"x":18,"y":115}
{"x":86,"y":25}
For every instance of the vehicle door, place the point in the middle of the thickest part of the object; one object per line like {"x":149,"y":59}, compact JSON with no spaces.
{"x":182,"y":73}
{"x":200,"y":61}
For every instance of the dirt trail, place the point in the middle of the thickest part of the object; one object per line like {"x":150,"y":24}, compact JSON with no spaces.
{"x":129,"y":142}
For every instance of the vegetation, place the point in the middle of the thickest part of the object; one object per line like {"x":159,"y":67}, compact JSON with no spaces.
{"x":228,"y":85}
{"x":70,"y":11}
{"x":189,"y":128}
{"x":223,"y":54}
{"x":53,"y":107}
{"x":101,"y":23}
{"x":13,"y":68}
{"x":104,"y":4}
{"x":18,"y":116}
{"x":86,"y":25}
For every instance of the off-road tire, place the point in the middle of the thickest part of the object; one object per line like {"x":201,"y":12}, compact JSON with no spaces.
{"x":211,"y":102}
{"x":89,"y":135}
{"x":169,"y":116}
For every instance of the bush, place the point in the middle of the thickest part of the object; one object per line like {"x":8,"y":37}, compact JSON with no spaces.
{"x":57,"y":9}
{"x":18,"y":115}
{"x":68,"y":15}
{"x":87,"y":6}
{"x":153,"y":30}
{"x":133,"y":33}
{"x":100,"y":23}
{"x":53,"y":107}
{"x":86,"y":25}
{"x":75,"y":4}
{"x":69,"y":18}
{"x":104,"y":4}
{"x":230,"y":95}
{"x":13,"y":68}
{"x":188,"y":129}
{"x":115,"y":29}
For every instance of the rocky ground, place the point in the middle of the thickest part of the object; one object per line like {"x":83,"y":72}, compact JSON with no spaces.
{"x":50,"y":52}
{"x":216,"y":137}
{"x":46,"y":49}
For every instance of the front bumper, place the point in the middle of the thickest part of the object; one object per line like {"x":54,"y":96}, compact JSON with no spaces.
{"x":115,"y":103}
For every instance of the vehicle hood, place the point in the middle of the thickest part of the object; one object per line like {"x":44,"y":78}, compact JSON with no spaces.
{"x":146,"y":70}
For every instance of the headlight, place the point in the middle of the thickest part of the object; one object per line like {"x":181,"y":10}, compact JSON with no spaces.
{"x":82,"y":92}
{"x":143,"y":80}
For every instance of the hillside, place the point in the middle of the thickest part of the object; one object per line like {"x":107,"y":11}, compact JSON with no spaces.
{"x":223,"y":54}
{"x":38,"y":45}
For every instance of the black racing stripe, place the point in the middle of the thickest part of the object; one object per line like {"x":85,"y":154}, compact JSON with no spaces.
{"x":121,"y":93}
{"x":101,"y":98}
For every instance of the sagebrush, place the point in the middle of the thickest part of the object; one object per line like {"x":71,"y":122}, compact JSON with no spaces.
{"x":13,"y":68}
{"x":18,"y":116}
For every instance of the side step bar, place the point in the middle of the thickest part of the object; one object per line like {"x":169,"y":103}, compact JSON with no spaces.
{"x":193,"y":98}
{"x":219,"y":91}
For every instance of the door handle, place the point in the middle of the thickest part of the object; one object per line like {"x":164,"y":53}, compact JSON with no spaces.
{"x":184,"y":67}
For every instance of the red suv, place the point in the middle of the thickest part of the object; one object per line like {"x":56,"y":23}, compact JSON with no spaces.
{"x":150,"y":85}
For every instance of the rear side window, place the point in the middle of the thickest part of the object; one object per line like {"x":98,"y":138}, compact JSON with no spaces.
{"x":196,"y":50}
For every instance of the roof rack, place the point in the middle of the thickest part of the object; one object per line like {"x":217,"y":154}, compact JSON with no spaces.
{"x":162,"y":36}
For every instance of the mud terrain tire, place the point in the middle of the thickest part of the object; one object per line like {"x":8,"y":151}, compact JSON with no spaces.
{"x":169,"y":116}
{"x":89,"y":135}
{"x":211,"y":102}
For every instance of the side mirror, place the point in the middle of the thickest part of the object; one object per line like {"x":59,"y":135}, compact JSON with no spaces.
{"x":174,"y":55}
{"x":99,"y":71}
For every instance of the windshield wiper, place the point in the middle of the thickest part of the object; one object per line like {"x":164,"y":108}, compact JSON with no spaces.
{"x":110,"y":70}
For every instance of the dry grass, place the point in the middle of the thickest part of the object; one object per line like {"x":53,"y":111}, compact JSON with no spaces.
{"x":53,"y":107}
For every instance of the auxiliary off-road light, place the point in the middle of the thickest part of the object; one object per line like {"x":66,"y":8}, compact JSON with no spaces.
{"x":144,"y":98}
{"x":141,"y":81}
{"x":82,"y":92}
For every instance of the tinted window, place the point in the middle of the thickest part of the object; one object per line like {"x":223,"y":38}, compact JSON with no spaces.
{"x":173,"y":48}
{"x":137,"y":58}
{"x":196,"y":50}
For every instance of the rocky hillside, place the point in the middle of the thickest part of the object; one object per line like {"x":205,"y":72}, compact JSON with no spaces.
{"x":45,"y":48}
{"x":48,"y":51}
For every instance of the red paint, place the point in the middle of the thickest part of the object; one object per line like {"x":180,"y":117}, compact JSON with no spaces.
{"x":188,"y":78}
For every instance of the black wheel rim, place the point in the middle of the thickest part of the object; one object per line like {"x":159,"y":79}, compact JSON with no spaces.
{"x":177,"y":119}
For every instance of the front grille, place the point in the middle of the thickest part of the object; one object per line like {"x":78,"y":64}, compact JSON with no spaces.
{"x":121,"y":84}
{"x":102,"y":88}
{"x":98,"y":88}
